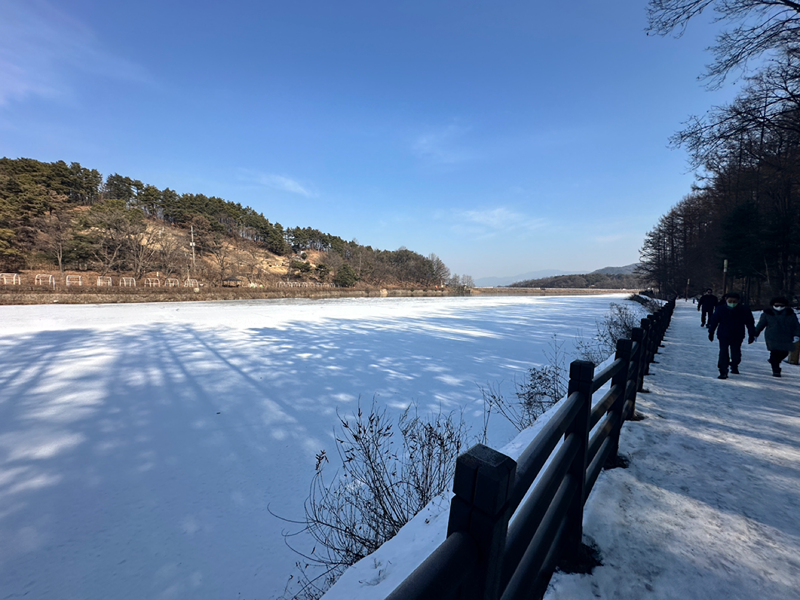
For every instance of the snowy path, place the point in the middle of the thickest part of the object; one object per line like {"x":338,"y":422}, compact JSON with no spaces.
{"x":710,"y":505}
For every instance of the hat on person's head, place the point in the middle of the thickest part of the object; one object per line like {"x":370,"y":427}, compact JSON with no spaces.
{"x":733,"y":296}
{"x":779,"y":300}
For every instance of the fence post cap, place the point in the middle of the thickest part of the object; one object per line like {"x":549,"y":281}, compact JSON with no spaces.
{"x":624,"y":345}
{"x":484,"y":477}
{"x":582,"y":370}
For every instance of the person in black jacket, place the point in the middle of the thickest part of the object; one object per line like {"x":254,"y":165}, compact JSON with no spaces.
{"x":730,"y":320}
{"x":708,"y":302}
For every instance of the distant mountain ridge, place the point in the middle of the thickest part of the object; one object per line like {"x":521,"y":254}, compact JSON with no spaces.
{"x":550,"y":273}
{"x":626,"y":270}
{"x":503,"y":281}
{"x":609,"y":281}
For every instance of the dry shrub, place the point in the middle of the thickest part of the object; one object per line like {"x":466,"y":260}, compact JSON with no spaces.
{"x":617,"y":324}
{"x":384,"y":481}
{"x":651,"y":305}
{"x":541,"y":388}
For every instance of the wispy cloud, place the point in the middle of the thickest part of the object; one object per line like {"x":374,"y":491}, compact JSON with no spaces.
{"x":42,"y":48}
{"x":443,"y":146}
{"x":277,"y":182}
{"x":608,"y":239}
{"x":490,"y":222}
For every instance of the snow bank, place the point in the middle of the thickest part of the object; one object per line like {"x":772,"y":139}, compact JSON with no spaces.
{"x":377,"y":575}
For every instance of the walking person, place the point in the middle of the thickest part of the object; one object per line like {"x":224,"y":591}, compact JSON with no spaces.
{"x":730,"y":320}
{"x":782,"y":331}
{"x":708,"y":302}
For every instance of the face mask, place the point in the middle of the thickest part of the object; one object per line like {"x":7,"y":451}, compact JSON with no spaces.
{"x":779,"y":308}
{"x":732,"y":304}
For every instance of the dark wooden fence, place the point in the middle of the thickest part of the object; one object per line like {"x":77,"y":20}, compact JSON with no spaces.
{"x":484,"y":557}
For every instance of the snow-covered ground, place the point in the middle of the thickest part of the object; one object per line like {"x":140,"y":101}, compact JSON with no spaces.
{"x":140,"y":445}
{"x":710,"y":505}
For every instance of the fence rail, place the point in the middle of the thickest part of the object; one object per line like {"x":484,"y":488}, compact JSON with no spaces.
{"x":125,"y":281}
{"x":483,"y":557}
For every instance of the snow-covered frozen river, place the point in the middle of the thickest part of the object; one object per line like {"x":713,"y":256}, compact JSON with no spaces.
{"x":140,"y":445}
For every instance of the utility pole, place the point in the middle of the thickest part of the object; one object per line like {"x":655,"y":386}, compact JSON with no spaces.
{"x":687,"y":290}
{"x":724,"y":277}
{"x":192,"y":245}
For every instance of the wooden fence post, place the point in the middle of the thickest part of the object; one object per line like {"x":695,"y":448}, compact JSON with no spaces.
{"x":655,"y":338}
{"x":620,"y":379}
{"x":642,"y":362}
{"x":647,"y":340}
{"x":666,"y":316}
{"x":637,"y":335}
{"x":655,"y":320}
{"x":581,"y":373}
{"x":482,"y":486}
{"x":663,"y":323}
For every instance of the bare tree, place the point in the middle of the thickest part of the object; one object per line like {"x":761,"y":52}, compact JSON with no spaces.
{"x":768,"y":104}
{"x":142,"y":248}
{"x":440,"y":273}
{"x":757,"y":27}
{"x":250,"y":261}
{"x":109,"y":226}
{"x":54,"y":232}
{"x":454,"y":280}
{"x":222,"y":253}
{"x":169,"y":254}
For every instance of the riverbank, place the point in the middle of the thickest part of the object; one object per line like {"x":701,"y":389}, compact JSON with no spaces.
{"x":27,"y":295}
{"x":507,"y":291}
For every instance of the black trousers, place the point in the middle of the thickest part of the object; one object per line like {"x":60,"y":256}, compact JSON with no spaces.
{"x":705,"y":312}
{"x":775,"y":358}
{"x":730,"y":353}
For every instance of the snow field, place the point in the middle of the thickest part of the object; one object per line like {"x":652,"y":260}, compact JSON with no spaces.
{"x":140,"y":445}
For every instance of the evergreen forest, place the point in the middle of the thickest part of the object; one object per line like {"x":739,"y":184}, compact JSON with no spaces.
{"x":64,"y":217}
{"x":739,"y":225}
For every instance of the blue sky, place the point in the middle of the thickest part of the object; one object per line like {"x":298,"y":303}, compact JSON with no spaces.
{"x":505,"y":137}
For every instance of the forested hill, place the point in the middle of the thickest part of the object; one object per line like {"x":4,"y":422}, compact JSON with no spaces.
{"x":590,"y":280}
{"x":66,"y":214}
